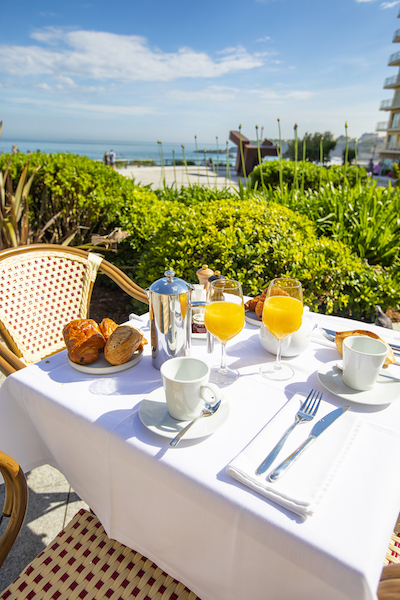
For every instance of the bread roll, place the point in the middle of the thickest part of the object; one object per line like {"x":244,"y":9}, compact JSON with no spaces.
{"x":122,"y":344}
{"x":107,"y":326}
{"x":84,"y":341}
{"x":341,"y":335}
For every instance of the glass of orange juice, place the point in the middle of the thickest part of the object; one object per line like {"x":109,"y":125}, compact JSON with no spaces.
{"x":224,"y":318}
{"x":282,"y":316}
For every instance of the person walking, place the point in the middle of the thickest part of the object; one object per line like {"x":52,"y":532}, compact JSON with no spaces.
{"x":377,"y":169}
{"x":112,"y":157}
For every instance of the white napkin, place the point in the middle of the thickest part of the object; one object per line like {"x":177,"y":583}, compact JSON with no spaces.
{"x":302,"y":487}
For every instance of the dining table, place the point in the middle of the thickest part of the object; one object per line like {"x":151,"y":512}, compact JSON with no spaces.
{"x":198,"y":510}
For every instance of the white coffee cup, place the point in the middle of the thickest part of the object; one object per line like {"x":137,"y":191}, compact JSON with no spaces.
{"x":186,"y":387}
{"x":363,"y":358}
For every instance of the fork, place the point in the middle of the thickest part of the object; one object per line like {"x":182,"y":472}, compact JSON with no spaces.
{"x":306,"y":412}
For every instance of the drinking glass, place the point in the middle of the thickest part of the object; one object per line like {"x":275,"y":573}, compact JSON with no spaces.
{"x":224,"y":318}
{"x":282,"y":316}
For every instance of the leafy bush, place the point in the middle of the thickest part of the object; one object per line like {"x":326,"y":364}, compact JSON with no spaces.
{"x":304,"y":175}
{"x":252,"y":241}
{"x":74,"y":194}
{"x":365,"y":217}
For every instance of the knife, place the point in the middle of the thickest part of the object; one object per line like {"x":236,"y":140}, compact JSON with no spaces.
{"x":315,"y":432}
{"x":394,"y":347}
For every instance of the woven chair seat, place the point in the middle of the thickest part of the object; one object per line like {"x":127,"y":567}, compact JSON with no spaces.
{"x":393,"y":552}
{"x":83,"y":563}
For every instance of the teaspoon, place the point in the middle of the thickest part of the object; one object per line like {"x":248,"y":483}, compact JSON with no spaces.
{"x":207,"y":411}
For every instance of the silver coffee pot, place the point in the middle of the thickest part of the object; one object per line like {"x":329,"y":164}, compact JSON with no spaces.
{"x":170,"y":319}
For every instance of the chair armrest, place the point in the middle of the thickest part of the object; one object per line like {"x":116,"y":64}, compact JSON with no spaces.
{"x":9,"y":362}
{"x":123,"y":281}
{"x":15,"y":504}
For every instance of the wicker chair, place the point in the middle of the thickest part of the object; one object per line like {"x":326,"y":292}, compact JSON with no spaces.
{"x":81,"y":562}
{"x":43,"y":287}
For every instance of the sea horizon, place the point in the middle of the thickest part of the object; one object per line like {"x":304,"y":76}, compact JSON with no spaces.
{"x":159,"y":152}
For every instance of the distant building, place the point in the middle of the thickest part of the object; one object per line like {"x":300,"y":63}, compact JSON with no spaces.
{"x":366,"y":137}
{"x":391,"y":149}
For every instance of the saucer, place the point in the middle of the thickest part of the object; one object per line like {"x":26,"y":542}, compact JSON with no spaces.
{"x":252,"y":318}
{"x":101,"y":366}
{"x":154,"y":415}
{"x":385,"y":390}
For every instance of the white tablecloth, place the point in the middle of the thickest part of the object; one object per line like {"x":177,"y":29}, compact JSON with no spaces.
{"x":179,"y":507}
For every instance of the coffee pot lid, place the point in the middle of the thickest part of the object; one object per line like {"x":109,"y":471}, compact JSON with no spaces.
{"x":170,"y":285}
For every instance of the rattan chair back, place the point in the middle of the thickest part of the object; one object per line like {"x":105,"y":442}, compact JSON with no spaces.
{"x":42,"y":288}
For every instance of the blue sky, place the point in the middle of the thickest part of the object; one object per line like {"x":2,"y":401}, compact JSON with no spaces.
{"x":144,"y":70}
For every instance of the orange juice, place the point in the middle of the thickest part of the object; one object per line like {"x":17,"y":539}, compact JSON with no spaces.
{"x":224,"y":319}
{"x":183,"y":302}
{"x":282,"y":315}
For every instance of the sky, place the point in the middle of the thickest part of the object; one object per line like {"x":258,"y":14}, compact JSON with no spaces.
{"x":150,"y":70}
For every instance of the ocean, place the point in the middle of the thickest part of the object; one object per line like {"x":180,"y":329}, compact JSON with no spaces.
{"x":161,"y":153}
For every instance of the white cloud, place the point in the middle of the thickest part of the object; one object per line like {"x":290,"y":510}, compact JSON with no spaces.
{"x":101,"y":108}
{"x":107,"y":56}
{"x":383,"y":4}
{"x":228,"y":94}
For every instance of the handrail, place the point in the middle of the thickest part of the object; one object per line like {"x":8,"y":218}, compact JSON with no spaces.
{"x":395,"y":80}
{"x":394,"y":58}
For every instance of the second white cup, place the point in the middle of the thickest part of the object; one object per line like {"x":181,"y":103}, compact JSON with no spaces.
{"x":363,"y":358}
{"x":186,"y":387}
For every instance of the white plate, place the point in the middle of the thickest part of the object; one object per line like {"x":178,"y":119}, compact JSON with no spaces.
{"x":252,"y":318}
{"x":385,"y":390}
{"x":154,"y":415}
{"x":102,"y":367}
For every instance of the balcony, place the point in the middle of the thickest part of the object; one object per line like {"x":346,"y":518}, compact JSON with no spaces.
{"x":396,"y":37}
{"x":394,"y":59}
{"x":390,"y":148}
{"x":390,"y":104}
{"x":382,"y":126}
{"x":392,"y":82}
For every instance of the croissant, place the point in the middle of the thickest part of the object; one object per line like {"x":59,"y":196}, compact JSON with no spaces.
{"x":84,"y":341}
{"x":107,"y":326}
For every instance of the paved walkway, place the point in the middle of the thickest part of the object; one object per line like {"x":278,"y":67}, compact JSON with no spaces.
{"x":157,"y":177}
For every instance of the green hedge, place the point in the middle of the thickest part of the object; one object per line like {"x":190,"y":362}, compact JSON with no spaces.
{"x":308,"y":175}
{"x":253,"y":241}
{"x":85,"y":194}
{"x":365,"y":217}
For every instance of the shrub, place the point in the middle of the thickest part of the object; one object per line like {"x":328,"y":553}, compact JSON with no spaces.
{"x":253,"y":241}
{"x":307,"y":175}
{"x":75,"y":193}
{"x":365,"y":217}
